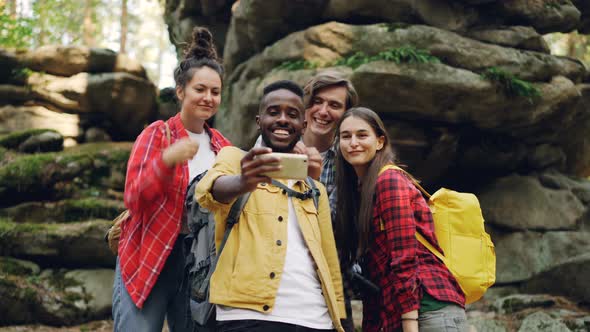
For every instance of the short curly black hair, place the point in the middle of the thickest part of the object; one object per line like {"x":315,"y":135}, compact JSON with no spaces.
{"x":283,"y":84}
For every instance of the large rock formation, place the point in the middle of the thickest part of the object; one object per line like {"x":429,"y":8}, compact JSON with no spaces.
{"x":473,"y":100}
{"x":102,"y":88}
{"x":462,"y":112}
{"x":55,"y":207}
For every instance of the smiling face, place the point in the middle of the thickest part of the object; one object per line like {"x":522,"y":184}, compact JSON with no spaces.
{"x":359,"y":143}
{"x":280,"y":120}
{"x":200,"y":98}
{"x":325,"y":109}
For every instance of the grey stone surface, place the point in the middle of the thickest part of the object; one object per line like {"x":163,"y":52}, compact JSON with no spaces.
{"x":568,"y":277}
{"x":522,"y":203}
{"x":522,"y":255}
{"x":541,"y":322}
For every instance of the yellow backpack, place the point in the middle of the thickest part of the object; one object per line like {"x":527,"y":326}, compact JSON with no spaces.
{"x":459,"y":229}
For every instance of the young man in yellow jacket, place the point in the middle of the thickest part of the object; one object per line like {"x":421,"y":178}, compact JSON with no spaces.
{"x":279,"y":269}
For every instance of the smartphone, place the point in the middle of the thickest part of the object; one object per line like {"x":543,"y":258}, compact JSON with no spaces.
{"x":294,"y":166}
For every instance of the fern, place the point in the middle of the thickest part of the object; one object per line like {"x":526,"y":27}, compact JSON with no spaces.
{"x":512,"y":85}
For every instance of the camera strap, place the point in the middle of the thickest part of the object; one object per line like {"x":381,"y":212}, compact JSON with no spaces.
{"x":313,"y":192}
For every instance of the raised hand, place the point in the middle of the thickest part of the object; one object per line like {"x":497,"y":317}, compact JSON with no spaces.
{"x":314,"y":159}
{"x":180,"y":151}
{"x":255,"y":163}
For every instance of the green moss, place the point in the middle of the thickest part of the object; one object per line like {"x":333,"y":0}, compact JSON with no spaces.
{"x":13,"y":140}
{"x":512,"y":85}
{"x":552,"y":5}
{"x":297,"y":65}
{"x":11,"y":230}
{"x":30,"y":173}
{"x":392,"y":26}
{"x":16,"y":267}
{"x":91,"y":208}
{"x":404,"y":54}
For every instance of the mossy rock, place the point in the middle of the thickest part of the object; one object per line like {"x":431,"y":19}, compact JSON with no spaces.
{"x":14,"y":140}
{"x":9,"y":265}
{"x":54,"y":175}
{"x":65,"y":211}
{"x":52,"y":298}
{"x":77,"y":244}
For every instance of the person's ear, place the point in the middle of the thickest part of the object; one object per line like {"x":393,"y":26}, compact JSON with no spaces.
{"x":380,"y":142}
{"x":258,"y":123}
{"x":179,"y":93}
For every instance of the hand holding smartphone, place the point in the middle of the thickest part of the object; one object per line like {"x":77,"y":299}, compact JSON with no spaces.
{"x":293,"y":166}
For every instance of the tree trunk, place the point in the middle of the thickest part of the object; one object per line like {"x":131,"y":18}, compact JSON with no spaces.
{"x":124,"y":23}
{"x":88,"y":25}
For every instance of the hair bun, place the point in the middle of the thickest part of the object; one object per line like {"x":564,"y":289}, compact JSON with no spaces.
{"x":201,"y":45}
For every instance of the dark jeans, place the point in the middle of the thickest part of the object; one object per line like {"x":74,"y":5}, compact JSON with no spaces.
{"x":261,"y":326}
{"x":347,"y":323}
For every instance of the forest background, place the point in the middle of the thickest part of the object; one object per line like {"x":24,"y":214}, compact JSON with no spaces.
{"x":132,"y":27}
{"x":137,"y":28}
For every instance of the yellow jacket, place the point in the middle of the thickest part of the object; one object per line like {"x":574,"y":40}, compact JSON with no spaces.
{"x":242,"y":277}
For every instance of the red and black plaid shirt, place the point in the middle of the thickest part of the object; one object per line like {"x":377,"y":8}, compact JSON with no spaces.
{"x":401,"y":266}
{"x":154,"y":195}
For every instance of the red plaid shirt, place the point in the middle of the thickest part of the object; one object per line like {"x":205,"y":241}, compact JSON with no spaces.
{"x":401,"y":266}
{"x":154,"y":195}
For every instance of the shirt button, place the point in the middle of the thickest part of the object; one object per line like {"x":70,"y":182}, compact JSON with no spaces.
{"x":279,"y":242}
{"x":265,"y":307}
{"x":272,"y":275}
{"x":280,"y":218}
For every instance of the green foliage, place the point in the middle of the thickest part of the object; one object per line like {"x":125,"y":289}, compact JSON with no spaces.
{"x":15,"y":32}
{"x":511,"y":85}
{"x":52,"y":22}
{"x":407,"y":54}
{"x":21,"y":73}
{"x":13,"y":140}
{"x":404,"y":54}
{"x":297,"y":65}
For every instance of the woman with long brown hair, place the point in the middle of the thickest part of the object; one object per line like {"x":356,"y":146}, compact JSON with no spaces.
{"x":379,"y":211}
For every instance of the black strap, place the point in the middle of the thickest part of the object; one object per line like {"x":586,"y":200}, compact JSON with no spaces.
{"x":316,"y":191}
{"x":233,"y":218}
{"x":313,"y":192}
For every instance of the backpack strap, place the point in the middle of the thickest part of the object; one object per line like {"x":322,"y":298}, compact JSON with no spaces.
{"x":431,"y":248}
{"x":414,"y":181}
{"x":233,"y":218}
{"x":419,"y":236}
{"x":313,"y":192}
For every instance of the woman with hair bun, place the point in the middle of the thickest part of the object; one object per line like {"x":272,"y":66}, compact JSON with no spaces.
{"x":150,"y":280}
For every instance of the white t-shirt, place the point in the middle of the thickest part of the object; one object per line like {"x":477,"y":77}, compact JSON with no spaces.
{"x":299,"y":299}
{"x":204,"y":158}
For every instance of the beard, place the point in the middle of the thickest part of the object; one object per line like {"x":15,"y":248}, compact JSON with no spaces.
{"x":282,"y":148}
